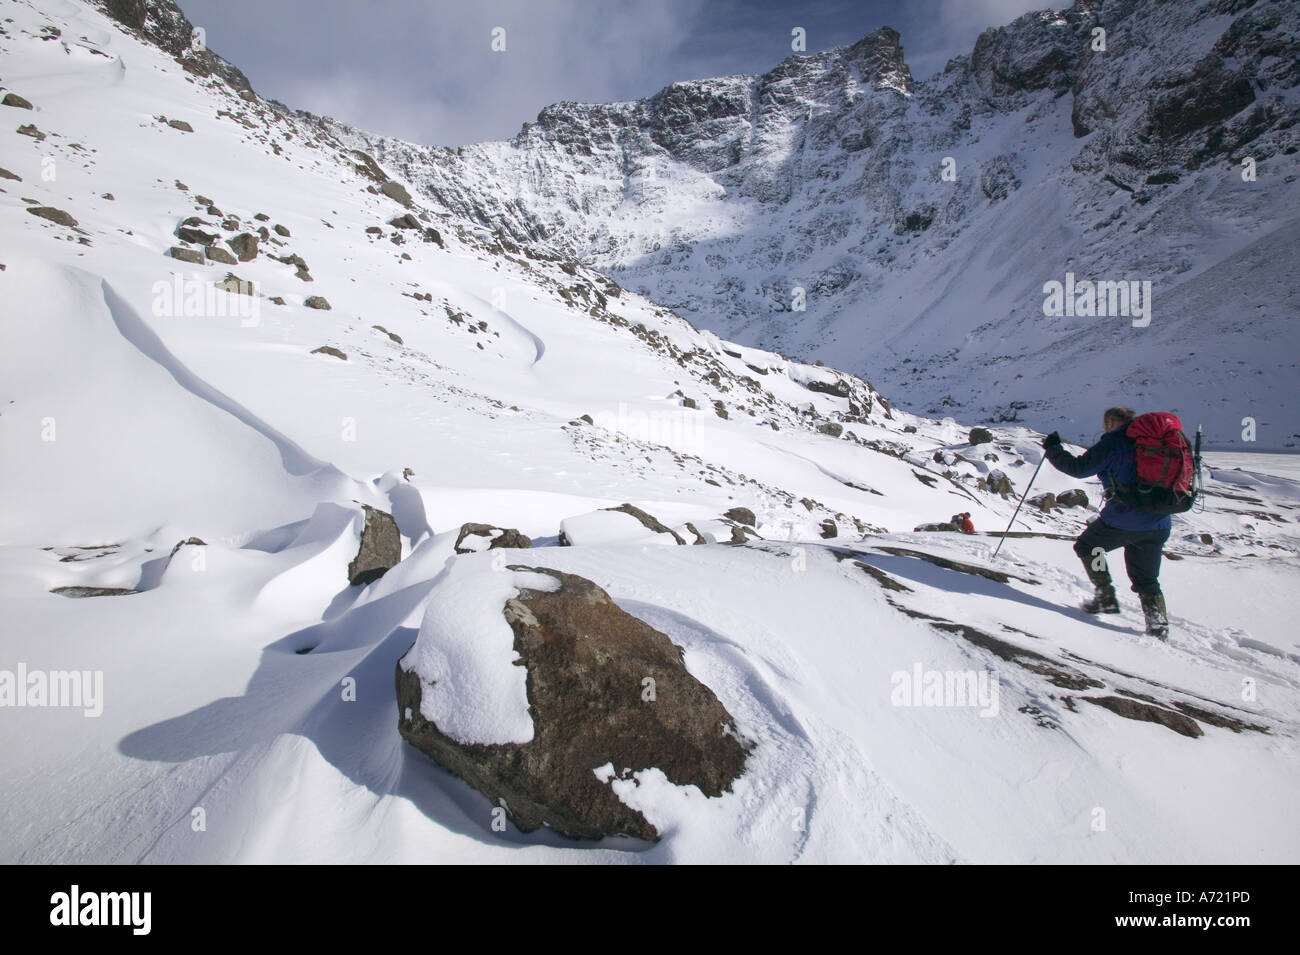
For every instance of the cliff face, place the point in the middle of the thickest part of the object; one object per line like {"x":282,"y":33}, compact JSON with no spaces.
{"x":837,"y":208}
{"x":164,"y":24}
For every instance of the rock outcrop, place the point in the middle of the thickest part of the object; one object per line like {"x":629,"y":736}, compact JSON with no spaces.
{"x":380,"y":550}
{"x":609,"y":696}
{"x":476,"y":537}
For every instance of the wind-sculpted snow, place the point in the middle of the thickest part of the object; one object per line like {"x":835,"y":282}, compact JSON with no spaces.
{"x":185,"y":486}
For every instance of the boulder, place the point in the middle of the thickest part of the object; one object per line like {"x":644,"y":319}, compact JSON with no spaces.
{"x":93,"y":591}
{"x":829,"y":529}
{"x":407,"y":221}
{"x":368,"y":167}
{"x":1075,"y":497}
{"x":57,"y":216}
{"x":832,"y":428}
{"x":180,"y":124}
{"x":216,"y":253}
{"x":13,"y":99}
{"x":838,"y":388}
{"x":244,"y":245}
{"x":317,"y":301}
{"x":395,"y":190}
{"x":980,"y":436}
{"x":329,"y":350}
{"x":608,"y":696}
{"x":197,"y":236}
{"x":233,"y":283}
{"x":741,"y":515}
{"x":281,"y":230}
{"x":1044,"y":502}
{"x":997,"y":482}
{"x":381,"y":547}
{"x":6,"y":174}
{"x":30,"y":130}
{"x":740,"y":533}
{"x":488,"y":537}
{"x":186,"y":255}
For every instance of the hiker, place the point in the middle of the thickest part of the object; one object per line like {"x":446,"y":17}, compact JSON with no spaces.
{"x":1142,"y":535}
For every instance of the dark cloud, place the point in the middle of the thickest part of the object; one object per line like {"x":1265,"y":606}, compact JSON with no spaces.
{"x":426,"y":71}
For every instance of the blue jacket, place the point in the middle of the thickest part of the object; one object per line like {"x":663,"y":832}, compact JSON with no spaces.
{"x":1113,"y":460}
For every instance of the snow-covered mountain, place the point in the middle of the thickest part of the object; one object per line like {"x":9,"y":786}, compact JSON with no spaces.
{"x":838,"y":208}
{"x":233,"y":340}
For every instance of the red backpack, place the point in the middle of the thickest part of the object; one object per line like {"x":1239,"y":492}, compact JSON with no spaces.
{"x":1166,"y":469}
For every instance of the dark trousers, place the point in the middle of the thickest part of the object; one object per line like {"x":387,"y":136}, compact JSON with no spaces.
{"x":1142,"y":551}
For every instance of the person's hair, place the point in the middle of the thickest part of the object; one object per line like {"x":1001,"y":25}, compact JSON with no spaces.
{"x":1119,"y":413}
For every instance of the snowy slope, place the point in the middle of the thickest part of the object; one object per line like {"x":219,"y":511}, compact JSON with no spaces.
{"x":244,"y":678}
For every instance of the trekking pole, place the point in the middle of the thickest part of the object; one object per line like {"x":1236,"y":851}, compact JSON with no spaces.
{"x":1197,"y":491}
{"x":1018,"y":506}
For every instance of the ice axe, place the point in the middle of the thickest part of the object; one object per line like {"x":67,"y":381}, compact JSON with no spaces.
{"x":1018,"y":506}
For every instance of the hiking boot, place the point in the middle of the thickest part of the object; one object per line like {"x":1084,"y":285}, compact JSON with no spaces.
{"x":1153,"y":605}
{"x":1103,"y":601}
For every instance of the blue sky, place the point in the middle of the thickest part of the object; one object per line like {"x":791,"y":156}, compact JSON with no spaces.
{"x":425,"y":70}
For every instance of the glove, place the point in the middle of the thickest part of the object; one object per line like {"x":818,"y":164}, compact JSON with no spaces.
{"x":1051,"y":440}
